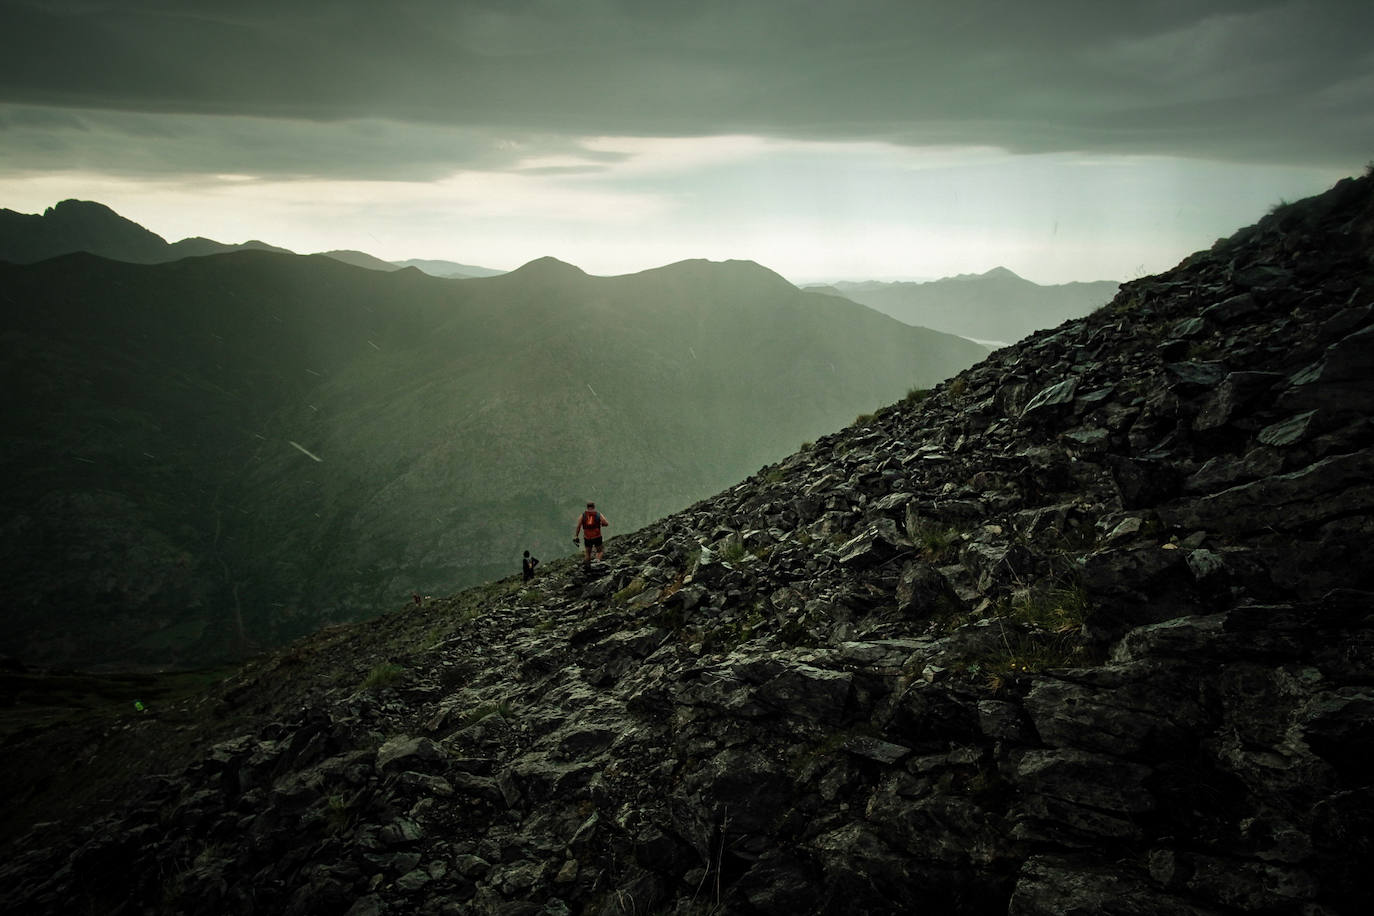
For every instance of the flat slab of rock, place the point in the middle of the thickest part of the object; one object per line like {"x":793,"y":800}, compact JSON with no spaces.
{"x":407,"y":751}
{"x":876,"y":749}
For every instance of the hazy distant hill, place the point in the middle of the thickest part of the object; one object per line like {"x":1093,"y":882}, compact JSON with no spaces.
{"x":450,"y":269}
{"x":997,"y":305}
{"x":198,"y":247}
{"x":83,"y":225}
{"x":228,"y":451}
{"x":360,"y":259}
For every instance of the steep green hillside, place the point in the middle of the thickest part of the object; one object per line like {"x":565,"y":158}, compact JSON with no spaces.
{"x":222,"y":453}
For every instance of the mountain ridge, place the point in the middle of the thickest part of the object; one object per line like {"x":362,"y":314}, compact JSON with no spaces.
{"x":997,"y":305}
{"x":546,"y":269}
{"x":77,"y":225}
{"x":448,"y":269}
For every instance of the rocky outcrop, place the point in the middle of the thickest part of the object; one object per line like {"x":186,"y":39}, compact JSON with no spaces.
{"x":1086,"y":629}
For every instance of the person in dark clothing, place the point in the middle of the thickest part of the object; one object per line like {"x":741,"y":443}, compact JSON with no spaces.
{"x":589,"y":525}
{"x":527,"y":566}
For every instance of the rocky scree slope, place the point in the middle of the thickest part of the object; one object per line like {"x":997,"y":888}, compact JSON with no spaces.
{"x":1086,"y":629}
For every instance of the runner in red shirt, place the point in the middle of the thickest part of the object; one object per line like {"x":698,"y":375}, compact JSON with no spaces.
{"x":589,"y":525}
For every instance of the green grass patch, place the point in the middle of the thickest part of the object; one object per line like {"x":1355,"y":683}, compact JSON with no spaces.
{"x":434,"y":636}
{"x":1061,"y":609}
{"x":340,"y":813}
{"x":636,"y":585}
{"x":1056,"y":639}
{"x":934,"y":540}
{"x":505,"y":709}
{"x":1029,"y":654}
{"x":726,"y":636}
{"x":383,"y":674}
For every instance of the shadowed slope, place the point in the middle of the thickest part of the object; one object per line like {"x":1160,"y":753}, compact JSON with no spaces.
{"x":229,"y":451}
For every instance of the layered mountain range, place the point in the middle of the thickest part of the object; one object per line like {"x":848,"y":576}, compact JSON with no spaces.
{"x":1086,"y":629}
{"x":86,"y":226}
{"x":996,"y":306}
{"x":217,"y":454}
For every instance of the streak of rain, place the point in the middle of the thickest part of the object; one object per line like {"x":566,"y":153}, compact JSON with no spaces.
{"x":303,"y":450}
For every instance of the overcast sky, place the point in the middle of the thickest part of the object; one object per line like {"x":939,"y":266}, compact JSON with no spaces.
{"x":1064,"y":139}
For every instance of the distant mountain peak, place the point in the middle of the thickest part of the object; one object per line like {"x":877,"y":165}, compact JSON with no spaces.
{"x":75,"y":225}
{"x":739,"y":265}
{"x":548,"y":268}
{"x":73,"y":207}
{"x":997,"y":273}
{"x":548,"y":262}
{"x":736,"y":270}
{"x":1002,"y":273}
{"x":998,"y":305}
{"x":359,"y":259}
{"x":89,"y":215}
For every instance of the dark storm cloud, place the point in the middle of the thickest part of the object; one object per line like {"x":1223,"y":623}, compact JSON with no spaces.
{"x":1249,"y":79}
{"x":138,"y":144}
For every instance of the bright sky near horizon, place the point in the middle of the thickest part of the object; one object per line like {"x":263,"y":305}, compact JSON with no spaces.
{"x":875,"y":139}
